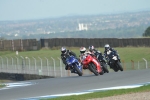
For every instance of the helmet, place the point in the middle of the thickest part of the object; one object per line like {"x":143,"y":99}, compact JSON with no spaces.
{"x":107,"y":47}
{"x":91,"y":48}
{"x":82,"y":50}
{"x":63,"y":50}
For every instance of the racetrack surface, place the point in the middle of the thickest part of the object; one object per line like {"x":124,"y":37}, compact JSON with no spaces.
{"x":71,"y":84}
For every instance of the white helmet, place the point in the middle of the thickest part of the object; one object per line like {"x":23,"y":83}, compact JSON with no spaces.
{"x":82,"y":50}
{"x":63,"y":50}
{"x":107,"y":47}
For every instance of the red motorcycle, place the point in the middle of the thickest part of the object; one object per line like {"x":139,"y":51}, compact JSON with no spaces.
{"x":91,"y":63}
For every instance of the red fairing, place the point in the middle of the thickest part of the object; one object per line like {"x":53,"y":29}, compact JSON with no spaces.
{"x":97,"y":65}
{"x":89,"y":59}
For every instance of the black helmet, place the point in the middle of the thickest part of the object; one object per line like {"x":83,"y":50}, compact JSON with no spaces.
{"x":63,"y":50}
{"x":91,"y":48}
{"x":107,"y":47}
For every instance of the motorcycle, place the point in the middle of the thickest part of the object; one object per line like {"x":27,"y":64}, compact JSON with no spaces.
{"x":114,"y":61}
{"x":92,"y":64}
{"x":74,"y":65}
{"x":102,"y":61}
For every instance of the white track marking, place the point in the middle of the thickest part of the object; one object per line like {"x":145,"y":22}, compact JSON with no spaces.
{"x":12,"y":85}
{"x":86,"y":92}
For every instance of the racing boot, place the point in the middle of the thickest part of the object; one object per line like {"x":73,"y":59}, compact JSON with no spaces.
{"x":66,"y":67}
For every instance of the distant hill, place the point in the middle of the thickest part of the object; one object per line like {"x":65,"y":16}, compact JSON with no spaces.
{"x":124,"y":25}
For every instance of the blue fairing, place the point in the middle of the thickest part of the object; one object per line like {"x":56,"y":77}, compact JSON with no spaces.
{"x":72,"y":60}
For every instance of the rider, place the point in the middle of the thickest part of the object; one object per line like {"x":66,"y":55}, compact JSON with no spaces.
{"x":94,"y":51}
{"x":66,"y":53}
{"x":83,"y":52}
{"x":107,"y":48}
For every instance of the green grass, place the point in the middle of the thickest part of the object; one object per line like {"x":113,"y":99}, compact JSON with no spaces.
{"x":1,"y":83}
{"x":101,"y":94}
{"x":126,"y":54}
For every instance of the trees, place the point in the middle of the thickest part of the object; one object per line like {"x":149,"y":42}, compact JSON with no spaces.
{"x":147,"y":32}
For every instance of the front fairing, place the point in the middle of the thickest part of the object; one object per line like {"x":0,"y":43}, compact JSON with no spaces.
{"x":73,"y":61}
{"x":87,"y":59}
{"x":113,"y":58}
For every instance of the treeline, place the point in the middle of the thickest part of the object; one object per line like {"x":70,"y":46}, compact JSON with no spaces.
{"x":127,"y":32}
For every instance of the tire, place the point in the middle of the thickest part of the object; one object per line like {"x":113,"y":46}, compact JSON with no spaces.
{"x":102,"y":72}
{"x":77,"y":69}
{"x":114,"y":67}
{"x":105,"y":68}
{"x":119,"y":66}
{"x":93,"y":69}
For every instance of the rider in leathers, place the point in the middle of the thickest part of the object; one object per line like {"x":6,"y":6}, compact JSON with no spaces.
{"x":93,"y":51}
{"x":96,"y":53}
{"x":83,"y":52}
{"x":66,"y":53}
{"x":107,"y":47}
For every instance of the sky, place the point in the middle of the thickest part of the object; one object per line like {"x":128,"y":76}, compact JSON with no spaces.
{"x":39,"y":9}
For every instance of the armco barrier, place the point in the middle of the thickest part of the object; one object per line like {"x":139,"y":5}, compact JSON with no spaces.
{"x":51,"y":67}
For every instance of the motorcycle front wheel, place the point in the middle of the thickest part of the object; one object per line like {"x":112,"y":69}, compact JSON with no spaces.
{"x":119,"y":66}
{"x":93,"y":69}
{"x":77,"y":70}
{"x":105,"y":68}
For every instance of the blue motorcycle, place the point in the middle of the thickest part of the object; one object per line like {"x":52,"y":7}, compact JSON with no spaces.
{"x":74,"y":65}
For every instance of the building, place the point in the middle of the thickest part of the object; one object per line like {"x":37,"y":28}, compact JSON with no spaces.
{"x":82,"y":26}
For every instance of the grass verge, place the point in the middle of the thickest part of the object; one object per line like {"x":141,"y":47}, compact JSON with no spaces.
{"x":1,"y":83}
{"x":126,"y":53}
{"x":101,"y":94}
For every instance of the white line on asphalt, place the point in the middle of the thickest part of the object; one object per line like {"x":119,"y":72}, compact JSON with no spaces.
{"x":85,"y":92}
{"x":12,"y":85}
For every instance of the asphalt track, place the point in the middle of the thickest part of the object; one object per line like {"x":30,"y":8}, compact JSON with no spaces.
{"x":52,"y":86}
